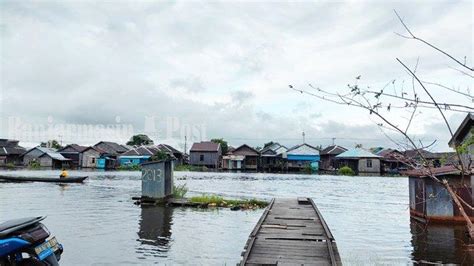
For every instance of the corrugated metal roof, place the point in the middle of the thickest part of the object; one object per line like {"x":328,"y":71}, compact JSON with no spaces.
{"x":275,"y":149}
{"x":52,"y":153}
{"x":12,"y":150}
{"x":169,"y":147}
{"x":357,"y":153}
{"x":205,"y":146}
{"x":245,"y":150}
{"x":333,"y":150}
{"x":436,"y":171}
{"x":111,"y":147}
{"x":76,"y":147}
{"x":303,"y":149}
{"x":142,"y":150}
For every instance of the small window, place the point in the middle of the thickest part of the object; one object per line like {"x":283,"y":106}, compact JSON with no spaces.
{"x":93,"y":160}
{"x":369,"y":163}
{"x":201,"y":157}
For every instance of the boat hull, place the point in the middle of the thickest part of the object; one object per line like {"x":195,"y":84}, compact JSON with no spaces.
{"x":77,"y":179}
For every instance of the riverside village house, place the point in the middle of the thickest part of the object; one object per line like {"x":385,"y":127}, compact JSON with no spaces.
{"x":46,"y":157}
{"x":360,"y":160}
{"x":111,"y":150}
{"x":243,"y":157}
{"x":10,"y":152}
{"x":271,"y":157}
{"x":328,"y":157}
{"x":74,"y":153}
{"x":302,"y":156}
{"x":205,"y":153}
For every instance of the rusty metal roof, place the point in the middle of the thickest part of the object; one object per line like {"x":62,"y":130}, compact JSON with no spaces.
{"x":205,"y":146}
{"x":436,"y":171}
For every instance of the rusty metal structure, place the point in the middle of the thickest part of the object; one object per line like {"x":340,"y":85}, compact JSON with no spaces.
{"x":431,"y":202}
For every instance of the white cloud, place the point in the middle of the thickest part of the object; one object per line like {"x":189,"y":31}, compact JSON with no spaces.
{"x":226,"y":65}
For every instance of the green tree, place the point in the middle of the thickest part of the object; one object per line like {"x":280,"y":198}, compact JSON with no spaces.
{"x":51,"y":144}
{"x":224,"y":145}
{"x":268,"y":144}
{"x":140,"y":139}
{"x":159,"y":156}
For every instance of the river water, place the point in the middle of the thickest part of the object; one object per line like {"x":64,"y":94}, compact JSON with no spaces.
{"x":98,"y":223}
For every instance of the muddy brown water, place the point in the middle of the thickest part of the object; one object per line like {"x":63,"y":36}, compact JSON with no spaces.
{"x":97,"y":221}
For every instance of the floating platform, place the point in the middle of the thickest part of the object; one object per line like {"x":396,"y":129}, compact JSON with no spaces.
{"x":145,"y":201}
{"x":291,"y":231}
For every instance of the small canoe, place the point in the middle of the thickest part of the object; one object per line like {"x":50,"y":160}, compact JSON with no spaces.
{"x":72,"y":179}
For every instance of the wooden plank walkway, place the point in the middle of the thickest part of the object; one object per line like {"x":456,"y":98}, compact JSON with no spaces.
{"x":291,"y":231}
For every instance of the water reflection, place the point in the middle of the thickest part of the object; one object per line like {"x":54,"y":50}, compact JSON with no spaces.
{"x":434,"y":243}
{"x":155,"y":231}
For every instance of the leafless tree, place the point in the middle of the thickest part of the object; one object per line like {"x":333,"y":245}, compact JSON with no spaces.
{"x":381,"y":102}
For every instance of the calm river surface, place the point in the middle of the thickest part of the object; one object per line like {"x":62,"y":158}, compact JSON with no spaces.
{"x":98,"y":223}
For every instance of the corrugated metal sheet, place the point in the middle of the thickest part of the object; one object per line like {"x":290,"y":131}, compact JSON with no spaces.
{"x":356,"y":153}
{"x":205,"y":146}
{"x":303,"y":149}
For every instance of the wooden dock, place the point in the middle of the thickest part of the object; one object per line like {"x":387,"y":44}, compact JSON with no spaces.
{"x":291,"y":231}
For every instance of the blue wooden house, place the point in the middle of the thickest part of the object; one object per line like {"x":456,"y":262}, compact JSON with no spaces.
{"x":105,"y":162}
{"x":302,"y":156}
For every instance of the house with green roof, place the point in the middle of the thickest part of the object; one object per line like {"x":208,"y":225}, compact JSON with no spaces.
{"x":359,"y":160}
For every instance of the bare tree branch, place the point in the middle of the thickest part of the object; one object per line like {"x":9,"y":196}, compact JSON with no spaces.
{"x":429,"y":44}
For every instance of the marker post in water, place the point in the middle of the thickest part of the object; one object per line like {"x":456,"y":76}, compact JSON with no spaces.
{"x":157,"y":180}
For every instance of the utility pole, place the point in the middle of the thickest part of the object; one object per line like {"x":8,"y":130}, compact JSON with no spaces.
{"x":303,"y":138}
{"x":185,"y":140}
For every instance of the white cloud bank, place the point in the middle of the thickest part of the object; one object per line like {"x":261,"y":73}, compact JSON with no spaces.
{"x":226,"y":66}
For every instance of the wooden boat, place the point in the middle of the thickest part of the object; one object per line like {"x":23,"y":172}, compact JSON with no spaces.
{"x":72,"y":179}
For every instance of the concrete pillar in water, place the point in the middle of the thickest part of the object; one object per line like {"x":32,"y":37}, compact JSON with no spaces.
{"x":157,"y":179}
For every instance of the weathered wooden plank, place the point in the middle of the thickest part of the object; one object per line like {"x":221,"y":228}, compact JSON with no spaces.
{"x":291,"y":231}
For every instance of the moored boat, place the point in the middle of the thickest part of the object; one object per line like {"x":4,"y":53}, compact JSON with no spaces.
{"x":71,"y":179}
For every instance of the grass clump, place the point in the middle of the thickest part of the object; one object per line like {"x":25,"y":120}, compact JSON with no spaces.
{"x":187,"y":167}
{"x":190,"y":168}
{"x":179,"y":191}
{"x":218,"y":201}
{"x":10,"y":166}
{"x":129,"y":167}
{"x":346,"y":170}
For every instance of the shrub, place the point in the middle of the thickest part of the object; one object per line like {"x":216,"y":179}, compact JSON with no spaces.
{"x":10,"y":165}
{"x":307,"y":169}
{"x":345,"y":170}
{"x":159,"y":156}
{"x":34,"y":165}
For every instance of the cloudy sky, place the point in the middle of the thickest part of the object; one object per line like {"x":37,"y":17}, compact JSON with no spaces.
{"x":214,"y":69}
